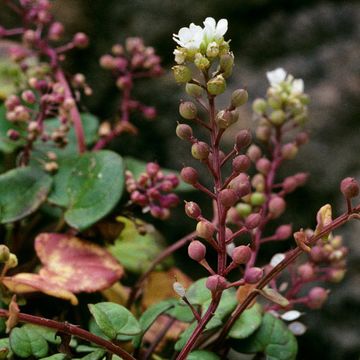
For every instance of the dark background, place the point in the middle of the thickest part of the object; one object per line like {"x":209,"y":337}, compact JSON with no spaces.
{"x":318,"y":41}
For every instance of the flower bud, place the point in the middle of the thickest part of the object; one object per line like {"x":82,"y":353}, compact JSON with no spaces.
{"x":189,"y":175}
{"x":277,"y":206}
{"x":107,"y":62}
{"x":205,"y":229}
{"x":216,"y":85}
{"x":184,"y":132}
{"x":197,"y":250}
{"x":201,"y":62}
{"x":200,"y":150}
{"x":316,"y":254}
{"x":226,"y":64}
{"x":259,"y":106}
{"x":182,"y":74}
{"x":258,"y":182}
{"x":4,"y":253}
{"x":152,"y":168}
{"x":289,"y":151}
{"x":289,"y":184}
{"x":263,"y":132}
{"x":283,"y":232}
{"x":243,"y":209}
{"x":302,"y":138}
{"x":257,"y":198}
{"x":275,"y":102}
{"x":278,"y":117}
{"x":225,"y":118}
{"x":253,"y":221}
{"x":12,"y":261}
{"x":306,"y":271}
{"x":81,"y":40}
{"x":188,"y":110}
{"x":253,"y":275}
{"x":241,"y":185}
{"x":216,"y":283}
{"x":243,"y":139}
{"x":349,"y":187}
{"x":212,"y":50}
{"x":336,"y":275}
{"x":192,"y":209}
{"x":239,"y":97}
{"x":56,"y":31}
{"x":301,"y":178}
{"x":317,"y":296}
{"x":241,"y":254}
{"x":193,"y":90}
{"x":28,"y":96}
{"x":13,"y":134}
{"x":228,"y":197}
{"x":240,"y":163}
{"x":263,"y":165}
{"x":179,"y":289}
{"x":254,"y":153}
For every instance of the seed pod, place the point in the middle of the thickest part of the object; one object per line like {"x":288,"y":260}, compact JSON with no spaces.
{"x":193,"y":90}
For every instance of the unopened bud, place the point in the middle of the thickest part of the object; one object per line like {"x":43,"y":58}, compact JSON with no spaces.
{"x":13,"y":134}
{"x":188,"y":110}
{"x":241,"y":185}
{"x":192,"y":209}
{"x":241,"y":163}
{"x":200,"y":150}
{"x":189,"y":175}
{"x":277,"y":206}
{"x":289,"y":184}
{"x":317,"y":297}
{"x":254,"y":153}
{"x":4,"y":253}
{"x":306,"y":271}
{"x":212,"y":50}
{"x":225,"y":118}
{"x":289,"y":151}
{"x":205,"y":229}
{"x":182,"y":74}
{"x":263,"y":132}
{"x":12,"y":262}
{"x":336,"y":275}
{"x":253,"y":275}
{"x":152,"y":168}
{"x":179,"y":289}
{"x":239,"y":97}
{"x":253,"y":221}
{"x":81,"y":40}
{"x":278,"y":117}
{"x":216,"y":283}
{"x":243,"y":139}
{"x":193,"y":90}
{"x":28,"y":96}
{"x":228,"y":197}
{"x":56,"y":31}
{"x":184,"y":132}
{"x":283,"y":232}
{"x":263,"y":165}
{"x":257,"y":199}
{"x":241,"y":254}
{"x":197,"y":250}
{"x":243,"y":209}
{"x":226,"y":64}
{"x":302,"y":138}
{"x":216,"y":85}
{"x":107,"y":62}
{"x":301,"y":178}
{"x":259,"y":106}
{"x":349,"y":187}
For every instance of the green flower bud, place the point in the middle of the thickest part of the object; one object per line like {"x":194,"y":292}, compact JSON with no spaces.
{"x":12,"y":261}
{"x":193,"y":90}
{"x":205,"y":229}
{"x":225,"y":118}
{"x":259,"y":106}
{"x":212,"y":50}
{"x":257,"y":199}
{"x":289,"y":151}
{"x":200,"y":150}
{"x":275,"y":102}
{"x":239,"y":97}
{"x":216,"y":85}
{"x":188,"y":110}
{"x":243,"y":209}
{"x":201,"y":62}
{"x":4,"y":253}
{"x":278,"y":117}
{"x":226,"y":64}
{"x":182,"y":74}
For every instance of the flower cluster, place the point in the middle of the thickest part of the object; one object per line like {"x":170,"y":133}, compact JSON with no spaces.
{"x":152,"y":191}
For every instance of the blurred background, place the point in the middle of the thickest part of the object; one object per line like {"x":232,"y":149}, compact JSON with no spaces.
{"x":318,"y":41}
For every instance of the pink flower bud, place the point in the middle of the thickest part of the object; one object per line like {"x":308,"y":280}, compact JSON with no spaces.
{"x":205,"y":229}
{"x":289,"y":151}
{"x":216,"y":283}
{"x":317,"y":296}
{"x":149,"y":112}
{"x":56,"y":31}
{"x":241,"y":185}
{"x":228,"y":197}
{"x":192,"y":209}
{"x":253,"y":275}
{"x":349,"y":187}
{"x":241,"y":163}
{"x":13,"y":134}
{"x":254,"y":153}
{"x":189,"y":175}
{"x":107,"y":62}
{"x":243,"y":139}
{"x":301,"y":178}
{"x":28,"y":96}
{"x":253,"y":221}
{"x":200,"y":150}
{"x":169,"y":200}
{"x":184,"y":132}
{"x":241,"y":254}
{"x":317,"y":254}
{"x":290,"y":184}
{"x":277,"y":206}
{"x":263,"y":165}
{"x":283,"y":232}
{"x":81,"y":40}
{"x":305,"y":271}
{"x":152,"y":168}
{"x":302,"y":138}
{"x":197,"y":250}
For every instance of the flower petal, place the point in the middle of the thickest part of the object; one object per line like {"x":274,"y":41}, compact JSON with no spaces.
{"x":221,"y":27}
{"x":276,"y":76}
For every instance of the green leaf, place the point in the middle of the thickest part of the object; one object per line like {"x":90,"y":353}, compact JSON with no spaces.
{"x":114,"y":319}
{"x":48,"y":334}
{"x":202,"y":355}
{"x":137,"y":167}
{"x":184,"y":337}
{"x":5,"y":347}
{"x":11,"y":75}
{"x":273,"y":338}
{"x":150,"y":315}
{"x":247,"y":323}
{"x":22,"y":191}
{"x":198,"y":293}
{"x":25,"y":343}
{"x":58,"y":356}
{"x":88,"y":186}
{"x":96,"y":355}
{"x":136,"y":251}
{"x":181,"y":312}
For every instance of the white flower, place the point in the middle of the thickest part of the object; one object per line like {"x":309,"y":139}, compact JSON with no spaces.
{"x":213,"y":31}
{"x":297,"y":86}
{"x":190,"y":38}
{"x":276,"y":76}
{"x":180,"y":56}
